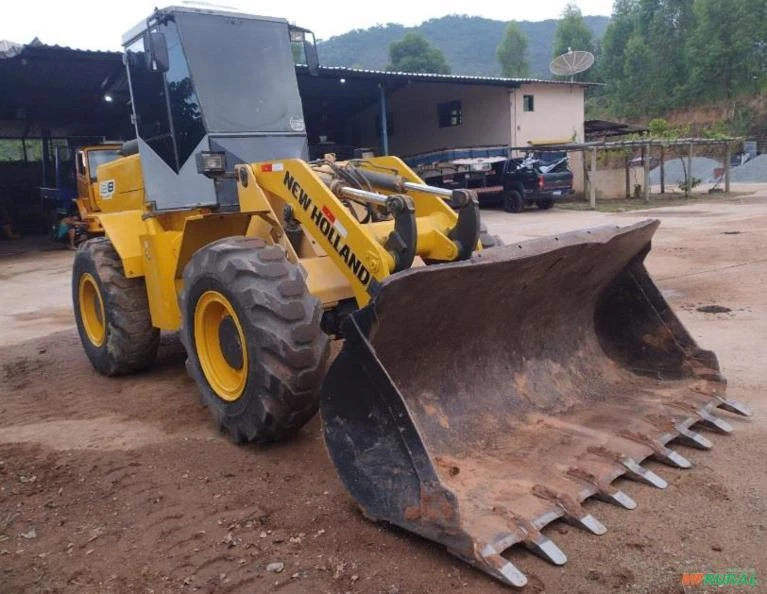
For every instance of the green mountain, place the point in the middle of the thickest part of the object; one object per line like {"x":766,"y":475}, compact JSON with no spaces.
{"x":468,"y":43}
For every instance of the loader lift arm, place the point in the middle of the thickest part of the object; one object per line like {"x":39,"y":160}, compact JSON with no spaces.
{"x":419,"y":224}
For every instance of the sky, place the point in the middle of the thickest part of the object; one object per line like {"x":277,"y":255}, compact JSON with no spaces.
{"x":99,"y":25}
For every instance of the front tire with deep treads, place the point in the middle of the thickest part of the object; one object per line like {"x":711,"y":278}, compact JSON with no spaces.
{"x":111,"y":311}
{"x":253,"y":340}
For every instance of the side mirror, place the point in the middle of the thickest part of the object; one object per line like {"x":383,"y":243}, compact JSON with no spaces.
{"x":312,"y":59}
{"x":157,"y":51}
{"x":305,"y":37}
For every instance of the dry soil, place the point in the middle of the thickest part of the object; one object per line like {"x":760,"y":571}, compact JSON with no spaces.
{"x":123,"y":485}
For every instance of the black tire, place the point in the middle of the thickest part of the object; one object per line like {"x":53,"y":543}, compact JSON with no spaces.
{"x":544,"y":203}
{"x":488,"y":240}
{"x":513,"y":201}
{"x":129,"y":341}
{"x":285,"y":349}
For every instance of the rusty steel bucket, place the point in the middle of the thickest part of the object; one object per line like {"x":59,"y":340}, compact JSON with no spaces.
{"x":474,"y":403}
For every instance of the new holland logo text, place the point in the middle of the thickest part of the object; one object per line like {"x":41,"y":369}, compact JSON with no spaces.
{"x":329,"y":226}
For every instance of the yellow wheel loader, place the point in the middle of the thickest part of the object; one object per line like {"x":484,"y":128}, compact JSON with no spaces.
{"x":479,"y":395}
{"x":89,"y":199}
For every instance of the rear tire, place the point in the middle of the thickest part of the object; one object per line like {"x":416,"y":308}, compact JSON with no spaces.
{"x":544,"y":203}
{"x":513,"y":201}
{"x":111,"y":311}
{"x":253,"y":340}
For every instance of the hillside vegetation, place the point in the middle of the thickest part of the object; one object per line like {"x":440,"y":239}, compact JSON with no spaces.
{"x":468,"y":43}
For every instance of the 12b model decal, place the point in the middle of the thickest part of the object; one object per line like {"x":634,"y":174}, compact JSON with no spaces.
{"x":324,"y":219}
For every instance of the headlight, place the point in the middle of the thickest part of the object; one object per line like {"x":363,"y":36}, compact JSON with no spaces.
{"x":211,"y":164}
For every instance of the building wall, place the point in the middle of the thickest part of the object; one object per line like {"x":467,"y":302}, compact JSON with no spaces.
{"x":557,"y":116}
{"x":486,"y":118}
{"x":491,"y":116}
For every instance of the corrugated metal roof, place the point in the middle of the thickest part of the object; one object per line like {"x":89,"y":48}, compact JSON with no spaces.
{"x":61,"y":86}
{"x":8,"y":49}
{"x":434,"y":77}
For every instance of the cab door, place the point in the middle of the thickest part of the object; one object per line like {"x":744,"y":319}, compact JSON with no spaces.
{"x":85,"y":187}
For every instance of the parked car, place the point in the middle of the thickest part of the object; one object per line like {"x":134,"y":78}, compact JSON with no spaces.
{"x":514,"y":183}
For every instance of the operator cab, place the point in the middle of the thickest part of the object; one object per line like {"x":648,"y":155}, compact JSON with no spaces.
{"x":213,"y":81}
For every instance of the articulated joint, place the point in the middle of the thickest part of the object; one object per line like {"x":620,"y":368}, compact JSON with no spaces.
{"x":402,"y":242}
{"x":465,"y":234}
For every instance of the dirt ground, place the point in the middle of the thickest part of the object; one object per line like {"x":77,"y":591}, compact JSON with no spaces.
{"x":122,"y":485}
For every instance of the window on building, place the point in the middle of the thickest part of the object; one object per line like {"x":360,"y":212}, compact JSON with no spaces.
{"x":11,"y":149}
{"x":450,"y":114}
{"x":528,"y":103}
{"x":389,"y":124}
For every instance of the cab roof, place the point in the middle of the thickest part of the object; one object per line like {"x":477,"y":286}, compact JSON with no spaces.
{"x":211,"y":10}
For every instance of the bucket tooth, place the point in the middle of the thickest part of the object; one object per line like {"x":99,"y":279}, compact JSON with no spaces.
{"x":591,"y":524}
{"x":637,"y":472}
{"x":604,"y":492}
{"x":661,"y":453}
{"x":672,"y":458}
{"x":544,"y":547}
{"x":573,"y":512}
{"x":511,"y":575}
{"x":734,"y":406}
{"x":633,"y":469}
{"x":692,"y":438}
{"x":617,"y":497}
{"x":713,"y":422}
{"x":496,"y":565}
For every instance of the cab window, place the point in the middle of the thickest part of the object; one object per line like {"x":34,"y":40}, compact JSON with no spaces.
{"x":96,"y":158}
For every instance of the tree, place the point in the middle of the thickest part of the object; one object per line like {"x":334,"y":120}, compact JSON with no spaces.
{"x":512,"y":52}
{"x":617,"y":34}
{"x":669,"y":27}
{"x":414,"y":54}
{"x":572,"y":32}
{"x":721,"y":47}
{"x":634,"y":92}
{"x":644,"y":59}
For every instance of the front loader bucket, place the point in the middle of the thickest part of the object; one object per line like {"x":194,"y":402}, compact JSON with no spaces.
{"x":474,"y":403}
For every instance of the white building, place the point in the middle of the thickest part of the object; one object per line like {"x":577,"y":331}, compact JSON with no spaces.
{"x":426,"y":113}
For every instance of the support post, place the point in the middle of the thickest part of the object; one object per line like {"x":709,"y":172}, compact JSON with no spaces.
{"x":727,"y":168}
{"x":46,"y":143}
{"x":592,"y":184}
{"x":646,"y":169}
{"x":384,"y":123}
{"x":688,"y":184}
{"x":662,"y":172}
{"x":627,"y":166}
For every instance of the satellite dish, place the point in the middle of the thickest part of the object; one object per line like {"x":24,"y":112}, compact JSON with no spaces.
{"x":571,"y":63}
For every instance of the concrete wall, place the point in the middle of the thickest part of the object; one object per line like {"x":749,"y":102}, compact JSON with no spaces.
{"x":611,"y":183}
{"x":486,"y":118}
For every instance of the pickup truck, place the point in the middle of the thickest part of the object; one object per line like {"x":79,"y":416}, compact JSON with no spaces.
{"x":514,"y":183}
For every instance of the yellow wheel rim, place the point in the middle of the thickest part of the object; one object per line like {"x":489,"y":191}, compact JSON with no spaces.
{"x":92,"y":310}
{"x":220,"y":345}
